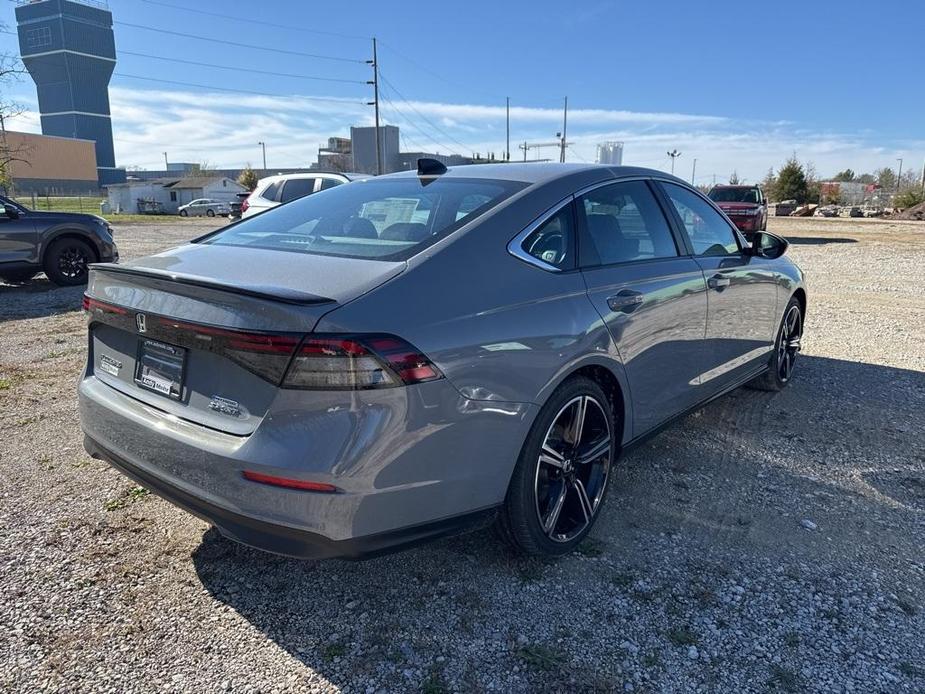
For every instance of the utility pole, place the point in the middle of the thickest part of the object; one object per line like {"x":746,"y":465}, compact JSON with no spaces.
{"x":263,"y":146}
{"x":507,"y":146}
{"x":900,"y":174}
{"x":564,"y":128}
{"x":923,"y":179}
{"x":694,"y":171}
{"x":525,"y":147}
{"x":374,"y":63}
{"x":166,"y":167}
{"x":674,"y":154}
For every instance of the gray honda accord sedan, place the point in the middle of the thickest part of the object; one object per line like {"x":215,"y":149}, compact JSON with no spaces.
{"x":417,"y":354}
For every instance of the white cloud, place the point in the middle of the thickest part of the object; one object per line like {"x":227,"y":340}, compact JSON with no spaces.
{"x":224,"y":129}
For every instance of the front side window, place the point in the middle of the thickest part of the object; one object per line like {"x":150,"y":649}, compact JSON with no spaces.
{"x":708,"y":232}
{"x":388,"y":219}
{"x":553,"y":242}
{"x":623,"y":223}
{"x":297,"y":188}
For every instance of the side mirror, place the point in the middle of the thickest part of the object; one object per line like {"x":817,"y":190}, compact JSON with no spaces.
{"x":765,"y":245}
{"x":9,"y":212}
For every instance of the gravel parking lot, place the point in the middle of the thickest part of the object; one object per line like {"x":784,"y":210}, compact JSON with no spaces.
{"x":764,"y":543}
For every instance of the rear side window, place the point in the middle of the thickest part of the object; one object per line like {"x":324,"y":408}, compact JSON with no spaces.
{"x":553,"y":242}
{"x":623,"y":223}
{"x":297,"y":188}
{"x":271,"y":192}
{"x":388,"y":218}
{"x":708,"y":232}
{"x":329,"y":183}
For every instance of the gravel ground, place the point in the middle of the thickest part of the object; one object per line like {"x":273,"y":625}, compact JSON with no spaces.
{"x":763,"y":543}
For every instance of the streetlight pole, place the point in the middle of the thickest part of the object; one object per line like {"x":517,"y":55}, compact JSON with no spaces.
{"x":263,"y":146}
{"x":564,"y":128}
{"x":674,"y":154}
{"x":900,"y":174}
{"x":507,"y":146}
{"x":166,"y":166}
{"x":694,"y":171}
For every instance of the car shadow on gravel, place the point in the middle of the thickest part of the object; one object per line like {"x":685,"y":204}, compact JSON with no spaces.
{"x":37,"y":298}
{"x":714,"y":493}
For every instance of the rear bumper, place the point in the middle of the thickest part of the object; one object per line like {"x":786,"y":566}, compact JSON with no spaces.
{"x":286,"y":540}
{"x":409,"y":463}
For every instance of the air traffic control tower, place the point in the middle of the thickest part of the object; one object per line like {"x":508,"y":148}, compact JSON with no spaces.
{"x":69,"y":49}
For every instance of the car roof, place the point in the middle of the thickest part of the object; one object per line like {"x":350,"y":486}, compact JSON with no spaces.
{"x":736,"y":185}
{"x":538,"y":172}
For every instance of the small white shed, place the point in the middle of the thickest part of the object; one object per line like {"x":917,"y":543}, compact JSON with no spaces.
{"x":165,"y":195}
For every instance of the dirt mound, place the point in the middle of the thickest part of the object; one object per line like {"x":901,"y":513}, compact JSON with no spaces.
{"x":916,"y":212}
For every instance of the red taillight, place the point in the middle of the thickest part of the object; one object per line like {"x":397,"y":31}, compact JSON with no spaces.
{"x":245,"y":204}
{"x":90,"y":304}
{"x":334,"y":362}
{"x":288,"y":482}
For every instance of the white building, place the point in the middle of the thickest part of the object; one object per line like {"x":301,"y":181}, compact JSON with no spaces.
{"x":610,"y":153}
{"x":165,"y":195}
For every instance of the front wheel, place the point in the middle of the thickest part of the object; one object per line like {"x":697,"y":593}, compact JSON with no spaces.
{"x":67,"y":261}
{"x":786,"y":348}
{"x":184,"y":213}
{"x":558,"y":486}
{"x":210,"y":212}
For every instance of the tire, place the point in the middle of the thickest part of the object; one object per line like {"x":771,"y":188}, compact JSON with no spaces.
{"x":18,"y":277}
{"x":66,"y":261}
{"x":546,"y":510}
{"x":184,"y":213}
{"x":210,"y":212}
{"x":786,"y":347}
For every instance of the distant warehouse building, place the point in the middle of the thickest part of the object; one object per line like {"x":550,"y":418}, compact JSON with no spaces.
{"x":47,"y":165}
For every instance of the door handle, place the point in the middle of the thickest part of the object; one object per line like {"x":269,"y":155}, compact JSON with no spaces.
{"x":625,"y":300}
{"x":718,"y":282}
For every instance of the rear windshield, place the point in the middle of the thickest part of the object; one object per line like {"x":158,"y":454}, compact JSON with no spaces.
{"x":734,"y":195}
{"x":387,"y":219}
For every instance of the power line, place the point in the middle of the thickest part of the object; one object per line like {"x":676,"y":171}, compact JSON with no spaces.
{"x":241,"y":69}
{"x":239,"y":91}
{"x":425,"y":118}
{"x":237,"y":44}
{"x":430,"y":72}
{"x":404,"y":117}
{"x":251,"y":20}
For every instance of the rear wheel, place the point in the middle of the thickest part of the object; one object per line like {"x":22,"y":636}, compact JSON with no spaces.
{"x":559,"y":483}
{"x":67,"y":260}
{"x":788,"y":345}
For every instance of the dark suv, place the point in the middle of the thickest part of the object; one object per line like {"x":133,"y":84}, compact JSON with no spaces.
{"x":746,"y":206}
{"x":61,"y":244}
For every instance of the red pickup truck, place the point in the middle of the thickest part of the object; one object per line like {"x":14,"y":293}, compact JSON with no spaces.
{"x":746,"y":206}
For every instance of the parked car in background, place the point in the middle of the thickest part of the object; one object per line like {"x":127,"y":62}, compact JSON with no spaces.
{"x":275,"y":190}
{"x":746,"y":206}
{"x":204,"y":207}
{"x":62,"y":244}
{"x":237,"y":205}
{"x":419,"y":353}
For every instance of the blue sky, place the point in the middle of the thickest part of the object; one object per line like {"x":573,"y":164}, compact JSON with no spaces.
{"x":735,"y":85}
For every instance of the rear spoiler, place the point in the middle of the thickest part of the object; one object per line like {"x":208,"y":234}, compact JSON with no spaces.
{"x":283,"y":294}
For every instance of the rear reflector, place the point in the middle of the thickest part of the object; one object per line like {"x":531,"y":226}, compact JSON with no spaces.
{"x":289,"y":483}
{"x":357,"y":362}
{"x":91,"y":305}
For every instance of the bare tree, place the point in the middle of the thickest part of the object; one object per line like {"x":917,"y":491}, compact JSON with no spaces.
{"x":10,"y":70}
